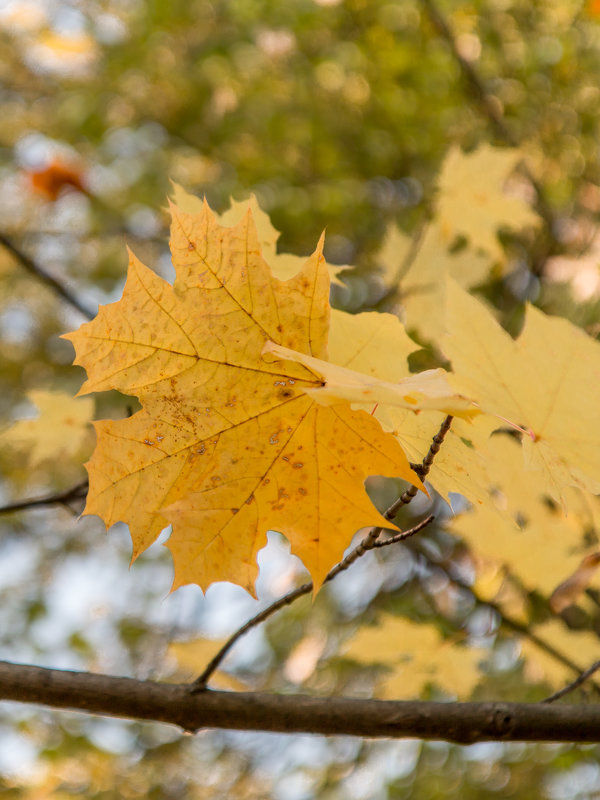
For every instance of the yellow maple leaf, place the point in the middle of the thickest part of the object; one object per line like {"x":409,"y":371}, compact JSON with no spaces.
{"x":517,"y":528}
{"x":283,"y":265}
{"x":541,"y":382}
{"x":423,"y":284}
{"x":227,"y":445}
{"x":62,"y":429}
{"x":472,"y":201}
{"x":416,"y":655}
{"x":380,"y":348}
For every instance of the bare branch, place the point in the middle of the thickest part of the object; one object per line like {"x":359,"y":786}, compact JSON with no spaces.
{"x":76,"y":492}
{"x":574,"y":684}
{"x":403,"y":535}
{"x":40,"y":273}
{"x":422,"y":470}
{"x":463,"y":723}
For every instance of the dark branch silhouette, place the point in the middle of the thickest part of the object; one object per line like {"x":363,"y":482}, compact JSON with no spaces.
{"x":463,"y":723}
{"x":40,"y":273}
{"x":77,"y":492}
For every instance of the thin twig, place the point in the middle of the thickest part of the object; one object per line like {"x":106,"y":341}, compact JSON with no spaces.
{"x":574,"y":684}
{"x":422,"y":470}
{"x":368,"y":543}
{"x":40,"y":273}
{"x":403,"y":535}
{"x":200,"y":683}
{"x":76,"y":492}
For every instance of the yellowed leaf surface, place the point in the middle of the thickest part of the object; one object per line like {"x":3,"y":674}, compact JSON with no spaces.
{"x":423,"y":285}
{"x":517,"y":528}
{"x":283,"y":265}
{"x":372,"y":343}
{"x":62,"y":429}
{"x":472,"y":201}
{"x":227,"y":445}
{"x":544,"y":382}
{"x":376,"y":344}
{"x":416,"y":655}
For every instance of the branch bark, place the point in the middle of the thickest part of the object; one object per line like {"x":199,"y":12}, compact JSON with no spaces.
{"x":463,"y":723}
{"x":49,"y":280}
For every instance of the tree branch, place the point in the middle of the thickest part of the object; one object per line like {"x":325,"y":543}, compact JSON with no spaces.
{"x":463,"y":723}
{"x":76,"y":492}
{"x":40,"y":273}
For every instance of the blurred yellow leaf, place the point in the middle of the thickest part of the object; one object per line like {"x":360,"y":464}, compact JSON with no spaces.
{"x":416,"y":655}
{"x":472,"y":201}
{"x":518,"y":528}
{"x":422,"y":285}
{"x":541,"y":381}
{"x":62,"y":429}
{"x":583,"y":647}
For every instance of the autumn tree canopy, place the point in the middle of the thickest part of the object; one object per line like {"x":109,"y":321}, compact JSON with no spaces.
{"x":371,"y":454}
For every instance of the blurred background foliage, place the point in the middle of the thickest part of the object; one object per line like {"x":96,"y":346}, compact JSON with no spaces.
{"x":336,"y":114}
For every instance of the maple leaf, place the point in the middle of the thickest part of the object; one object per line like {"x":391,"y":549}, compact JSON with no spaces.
{"x":422,"y":285}
{"x":227,"y":445}
{"x":472,"y":201}
{"x":283,"y":265}
{"x":415,"y":655}
{"x":61,"y":430}
{"x":518,"y":528}
{"x":380,"y":349}
{"x":541,"y":382}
